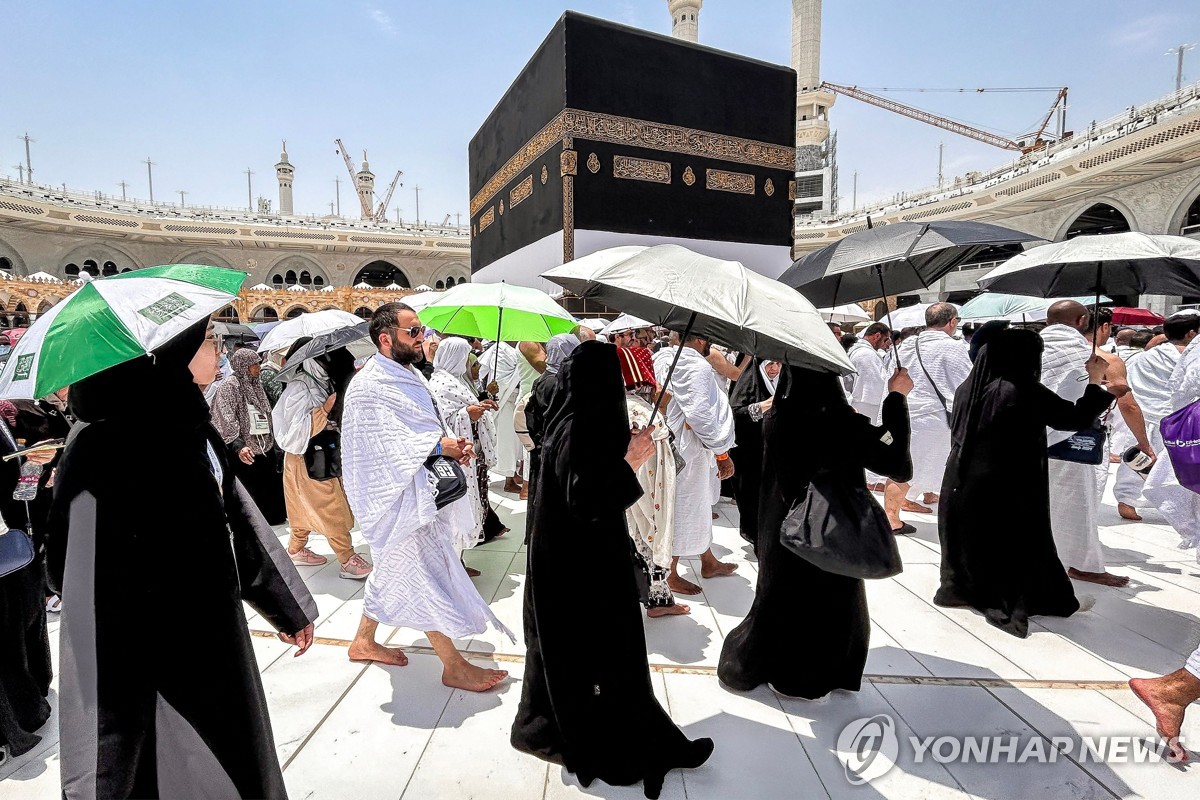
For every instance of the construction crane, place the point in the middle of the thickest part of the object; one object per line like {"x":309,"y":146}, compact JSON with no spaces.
{"x":1024,"y":144}
{"x":363,"y":201}
{"x":446,"y":221}
{"x":381,"y":212}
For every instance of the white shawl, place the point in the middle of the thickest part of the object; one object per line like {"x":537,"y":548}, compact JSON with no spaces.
{"x":291,"y":419}
{"x":508,"y":373}
{"x":652,"y":517}
{"x":1064,"y":368}
{"x":868,"y":385}
{"x":1151,"y":382}
{"x":1185,"y":380}
{"x":696,"y":400}
{"x":947,"y":362}
{"x":389,"y":429}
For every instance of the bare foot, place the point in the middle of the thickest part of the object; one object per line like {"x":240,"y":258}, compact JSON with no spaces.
{"x":472,"y":572}
{"x":929,"y":498}
{"x":668,"y":611}
{"x":1128,"y":512}
{"x":472,"y":678}
{"x":680,"y":586}
{"x":511,"y":486}
{"x":1168,"y":714}
{"x":716,"y":515}
{"x":361,"y":653}
{"x":914,"y":508}
{"x":717,"y":570}
{"x":1102,"y":578}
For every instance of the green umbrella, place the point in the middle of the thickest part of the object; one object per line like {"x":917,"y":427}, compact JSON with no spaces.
{"x":497,"y":311}
{"x":113,"y":320}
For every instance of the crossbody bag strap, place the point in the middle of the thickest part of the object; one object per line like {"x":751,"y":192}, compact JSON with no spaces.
{"x":936,"y":391}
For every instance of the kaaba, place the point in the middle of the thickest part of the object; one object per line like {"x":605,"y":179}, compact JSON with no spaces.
{"x":613,"y":136}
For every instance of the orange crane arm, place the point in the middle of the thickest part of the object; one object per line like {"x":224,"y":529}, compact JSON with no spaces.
{"x":924,"y":116}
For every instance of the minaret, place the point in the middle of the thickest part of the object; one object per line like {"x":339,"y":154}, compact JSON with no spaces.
{"x":684,"y":15}
{"x":814,"y":168}
{"x":284,"y":172}
{"x":366,"y":187}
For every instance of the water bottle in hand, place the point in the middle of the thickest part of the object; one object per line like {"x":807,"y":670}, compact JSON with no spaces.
{"x":27,"y":484}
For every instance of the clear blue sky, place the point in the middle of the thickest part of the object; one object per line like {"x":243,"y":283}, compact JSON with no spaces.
{"x":207,"y":89}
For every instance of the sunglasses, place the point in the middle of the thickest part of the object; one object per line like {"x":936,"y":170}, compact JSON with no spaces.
{"x":412,"y":332}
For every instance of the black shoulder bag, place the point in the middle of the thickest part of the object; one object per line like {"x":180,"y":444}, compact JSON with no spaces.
{"x":323,"y":458}
{"x":446,"y":475}
{"x":839,"y":528}
{"x":16,"y":546}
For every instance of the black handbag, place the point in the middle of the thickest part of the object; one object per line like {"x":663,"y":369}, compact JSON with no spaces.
{"x":323,"y":458}
{"x":1082,"y":447}
{"x":449,"y":480}
{"x":839,"y":528}
{"x":16,"y":550}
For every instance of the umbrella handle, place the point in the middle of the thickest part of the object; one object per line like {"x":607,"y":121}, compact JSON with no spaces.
{"x":883,"y":297}
{"x":1096,"y":308}
{"x":671,"y":371}
{"x":496,"y":361}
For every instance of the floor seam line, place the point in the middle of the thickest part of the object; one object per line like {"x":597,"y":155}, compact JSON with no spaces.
{"x":323,"y":719}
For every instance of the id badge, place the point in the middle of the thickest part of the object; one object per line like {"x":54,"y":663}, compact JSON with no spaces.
{"x":259,"y":424}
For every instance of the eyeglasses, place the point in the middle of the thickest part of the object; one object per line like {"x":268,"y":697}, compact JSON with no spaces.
{"x":412,"y":332}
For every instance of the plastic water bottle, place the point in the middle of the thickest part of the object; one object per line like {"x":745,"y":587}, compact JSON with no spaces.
{"x":1138,"y":461}
{"x":31,"y":476}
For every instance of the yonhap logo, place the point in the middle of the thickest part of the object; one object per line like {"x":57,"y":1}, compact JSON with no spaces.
{"x":868,"y":748}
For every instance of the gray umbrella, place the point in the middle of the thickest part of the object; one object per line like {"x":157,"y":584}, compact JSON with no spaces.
{"x":321,"y":344}
{"x":896,"y":258}
{"x":233,"y":330}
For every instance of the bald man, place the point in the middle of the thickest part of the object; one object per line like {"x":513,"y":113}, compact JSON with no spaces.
{"x":1074,"y":502}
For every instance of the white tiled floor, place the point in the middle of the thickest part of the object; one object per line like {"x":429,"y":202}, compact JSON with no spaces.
{"x":346,"y":730}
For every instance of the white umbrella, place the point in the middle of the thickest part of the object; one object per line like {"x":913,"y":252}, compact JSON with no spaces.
{"x":424,"y":287}
{"x":626,"y":322}
{"x":295,"y":287}
{"x":908,"y":317}
{"x":311,"y":324}
{"x":1013,"y":307}
{"x":327,"y":289}
{"x":597,"y":324}
{"x":851,"y":312}
{"x":419,"y":300}
{"x":674,"y":287}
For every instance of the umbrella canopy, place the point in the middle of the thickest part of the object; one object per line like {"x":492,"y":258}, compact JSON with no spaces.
{"x":311,"y":324}
{"x":233,"y":330}
{"x":1115,"y":263}
{"x":597,"y":324}
{"x":497,"y":311}
{"x":625,"y":322}
{"x":322,"y":344}
{"x":1014,"y":307}
{"x":261,"y":328}
{"x":363,"y":285}
{"x":906,"y":317}
{"x":421,"y":299}
{"x":851,"y":312}
{"x":905,"y":256}
{"x":260,"y":287}
{"x":671,"y":286}
{"x":1136,"y":316}
{"x":113,"y":320}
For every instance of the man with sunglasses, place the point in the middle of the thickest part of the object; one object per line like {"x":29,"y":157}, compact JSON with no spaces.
{"x":390,"y":431}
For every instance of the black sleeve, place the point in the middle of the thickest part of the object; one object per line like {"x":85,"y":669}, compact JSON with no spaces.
{"x":885,"y":448}
{"x":269,"y":580}
{"x":1063,"y":415}
{"x":595,"y":490}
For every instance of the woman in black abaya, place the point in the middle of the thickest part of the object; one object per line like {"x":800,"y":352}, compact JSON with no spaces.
{"x":808,"y":630}
{"x":159,"y":689}
{"x":1007,"y":572}
{"x":750,"y":401}
{"x":597,"y":716}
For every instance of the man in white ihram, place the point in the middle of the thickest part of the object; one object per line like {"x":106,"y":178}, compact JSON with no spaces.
{"x":867,"y":385}
{"x":389,"y":429}
{"x":503,"y":382}
{"x":938,"y":364}
{"x":700,"y":417}
{"x":1074,"y":503}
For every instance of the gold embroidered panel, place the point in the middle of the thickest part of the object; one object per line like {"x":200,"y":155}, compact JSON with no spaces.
{"x":520,"y":192}
{"x":568,"y":163}
{"x":641,"y":169}
{"x":545,"y":175}
{"x":689,"y":177}
{"x":593,"y":163}
{"x":488,"y":218}
{"x":722,"y":181}
{"x":639,"y":133}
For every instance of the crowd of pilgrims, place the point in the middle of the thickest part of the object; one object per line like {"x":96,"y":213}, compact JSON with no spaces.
{"x":930,"y":416}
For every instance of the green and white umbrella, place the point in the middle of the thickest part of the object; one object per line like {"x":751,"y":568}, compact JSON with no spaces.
{"x":113,"y":320}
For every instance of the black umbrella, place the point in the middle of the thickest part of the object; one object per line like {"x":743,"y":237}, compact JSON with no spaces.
{"x":233,"y":330}
{"x":322,"y":344}
{"x":896,"y":258}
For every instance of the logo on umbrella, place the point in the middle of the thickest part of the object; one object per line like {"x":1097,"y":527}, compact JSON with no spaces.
{"x":24,"y":367}
{"x":166,"y":309}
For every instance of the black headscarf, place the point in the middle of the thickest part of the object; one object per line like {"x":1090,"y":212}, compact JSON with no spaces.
{"x":591,"y":390}
{"x":339,"y":366}
{"x":1012,"y":356}
{"x":984,"y":334}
